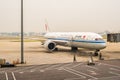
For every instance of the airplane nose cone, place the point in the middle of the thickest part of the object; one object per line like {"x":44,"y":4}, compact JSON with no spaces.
{"x":103,"y":45}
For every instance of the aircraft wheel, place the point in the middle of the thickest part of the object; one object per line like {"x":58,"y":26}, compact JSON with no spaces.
{"x":96,"y":54}
{"x":56,"y":49}
{"x":74,"y":48}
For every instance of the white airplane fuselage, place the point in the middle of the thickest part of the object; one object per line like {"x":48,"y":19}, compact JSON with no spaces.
{"x":88,"y":40}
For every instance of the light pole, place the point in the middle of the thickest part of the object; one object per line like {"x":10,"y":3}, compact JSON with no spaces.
{"x":22,"y":35}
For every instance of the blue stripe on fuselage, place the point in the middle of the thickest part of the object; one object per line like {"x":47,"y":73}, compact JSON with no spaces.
{"x":85,"y":41}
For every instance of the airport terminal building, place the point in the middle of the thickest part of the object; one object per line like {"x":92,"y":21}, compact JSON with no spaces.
{"x":113,"y":37}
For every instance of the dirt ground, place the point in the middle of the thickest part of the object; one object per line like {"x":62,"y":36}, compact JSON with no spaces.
{"x":35,"y":54}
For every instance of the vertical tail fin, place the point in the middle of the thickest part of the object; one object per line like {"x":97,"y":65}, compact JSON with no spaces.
{"x":46,"y":26}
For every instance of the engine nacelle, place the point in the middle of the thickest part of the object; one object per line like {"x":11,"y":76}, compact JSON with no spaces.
{"x":50,"y":45}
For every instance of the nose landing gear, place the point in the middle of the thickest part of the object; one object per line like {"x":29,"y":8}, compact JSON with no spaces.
{"x":96,"y":52}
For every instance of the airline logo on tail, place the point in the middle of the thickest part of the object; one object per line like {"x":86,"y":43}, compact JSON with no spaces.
{"x":46,"y":26}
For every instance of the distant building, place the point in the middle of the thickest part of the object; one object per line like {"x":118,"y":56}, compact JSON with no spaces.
{"x":113,"y":37}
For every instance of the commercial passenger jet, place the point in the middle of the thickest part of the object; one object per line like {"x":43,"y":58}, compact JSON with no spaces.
{"x":75,"y":40}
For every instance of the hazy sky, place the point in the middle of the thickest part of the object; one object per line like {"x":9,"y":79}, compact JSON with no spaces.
{"x":61,"y":15}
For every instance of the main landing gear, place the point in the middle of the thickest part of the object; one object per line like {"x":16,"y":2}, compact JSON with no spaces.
{"x":56,"y":49}
{"x":74,"y":49}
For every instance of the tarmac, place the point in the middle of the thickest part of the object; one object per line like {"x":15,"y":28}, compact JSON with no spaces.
{"x":36,"y":54}
{"x":102,"y":70}
{"x":58,"y":65}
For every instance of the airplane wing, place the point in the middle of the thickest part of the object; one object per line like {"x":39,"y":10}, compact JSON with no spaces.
{"x":60,"y":42}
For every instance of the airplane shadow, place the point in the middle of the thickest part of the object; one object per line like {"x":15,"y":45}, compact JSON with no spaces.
{"x":112,"y":52}
{"x":80,"y":52}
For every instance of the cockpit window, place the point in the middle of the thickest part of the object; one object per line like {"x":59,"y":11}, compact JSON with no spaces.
{"x":98,"y":39}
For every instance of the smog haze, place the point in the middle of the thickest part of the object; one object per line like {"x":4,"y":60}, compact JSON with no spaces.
{"x":61,"y":15}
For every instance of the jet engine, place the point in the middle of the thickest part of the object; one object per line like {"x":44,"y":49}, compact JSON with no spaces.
{"x":50,"y":45}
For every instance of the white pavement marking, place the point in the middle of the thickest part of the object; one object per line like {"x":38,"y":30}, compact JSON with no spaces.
{"x":73,"y":79}
{"x":31,"y":71}
{"x":109,"y":65}
{"x":59,"y":68}
{"x":11,"y":69}
{"x":48,"y":68}
{"x":13,"y":76}
{"x":114,"y":69}
{"x":74,"y":73}
{"x":106,"y":78}
{"x":76,"y":65}
{"x":39,"y":67}
{"x":92,"y":72}
{"x":52,"y":67}
{"x":6,"y":75}
{"x":41,"y":70}
{"x":92,"y":67}
{"x":27,"y":68}
{"x":114,"y":73}
{"x":67,"y":64}
{"x":99,"y":64}
{"x":83,"y":73}
{"x":21,"y":72}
